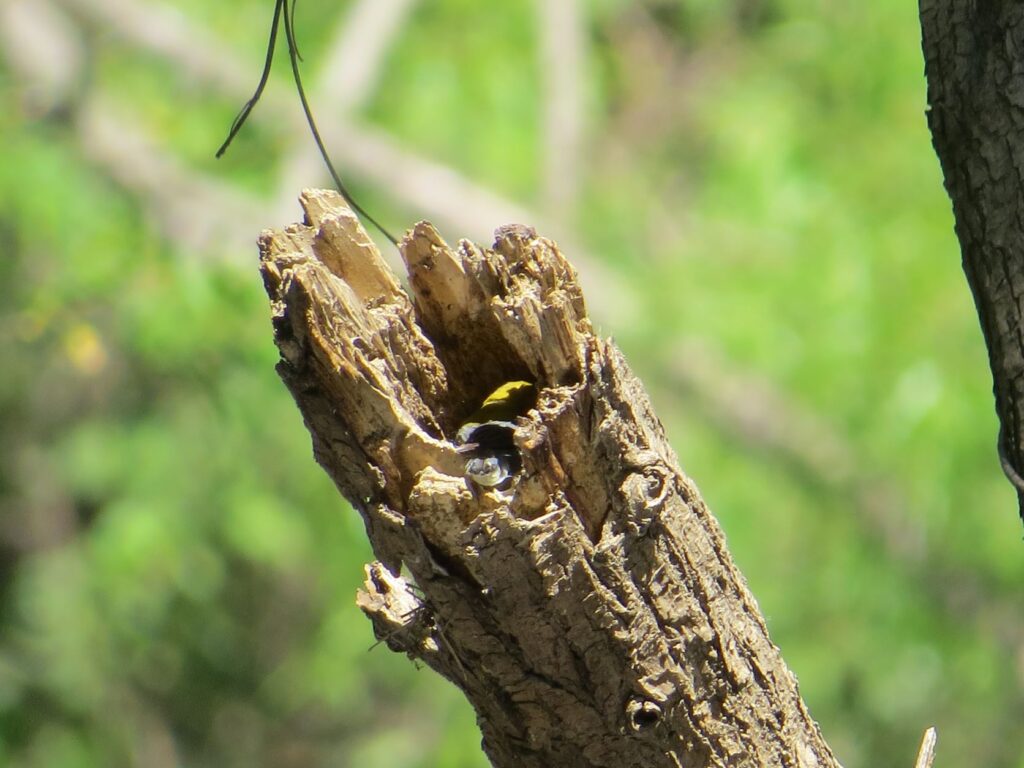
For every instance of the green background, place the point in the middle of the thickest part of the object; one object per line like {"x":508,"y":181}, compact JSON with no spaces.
{"x":758,"y":185}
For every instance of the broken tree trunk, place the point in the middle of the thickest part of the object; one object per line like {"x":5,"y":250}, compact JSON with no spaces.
{"x":590,"y":610}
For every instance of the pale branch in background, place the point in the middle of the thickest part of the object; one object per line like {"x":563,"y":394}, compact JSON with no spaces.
{"x":44,"y":49}
{"x":166,"y":31}
{"x":590,"y":611}
{"x":562,"y":28}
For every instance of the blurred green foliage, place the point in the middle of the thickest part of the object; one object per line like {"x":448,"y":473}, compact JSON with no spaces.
{"x":178,"y":575}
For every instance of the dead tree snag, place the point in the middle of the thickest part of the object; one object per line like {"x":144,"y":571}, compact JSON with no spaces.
{"x":590,"y":610}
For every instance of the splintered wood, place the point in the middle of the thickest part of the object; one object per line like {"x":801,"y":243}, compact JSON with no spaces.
{"x":588,"y":607}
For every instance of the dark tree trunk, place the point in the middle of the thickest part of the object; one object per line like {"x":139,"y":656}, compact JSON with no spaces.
{"x":974,"y":64}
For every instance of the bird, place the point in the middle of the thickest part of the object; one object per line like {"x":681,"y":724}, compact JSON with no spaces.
{"x":486,"y":437}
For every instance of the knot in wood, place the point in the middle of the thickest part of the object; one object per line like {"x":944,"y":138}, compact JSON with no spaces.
{"x":645,"y":491}
{"x":642,"y":715}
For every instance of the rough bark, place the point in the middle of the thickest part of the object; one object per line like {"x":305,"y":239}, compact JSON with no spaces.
{"x":591,"y":612}
{"x":975,"y":71}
